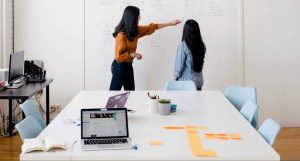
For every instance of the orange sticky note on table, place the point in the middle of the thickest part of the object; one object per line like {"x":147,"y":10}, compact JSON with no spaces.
{"x":202,"y":127}
{"x":210,"y":137}
{"x":221,"y":135}
{"x":209,"y":134}
{"x":205,"y":153}
{"x":155,"y":142}
{"x":190,"y":126}
{"x":173,"y":127}
{"x":235,"y":136}
{"x":192,"y":131}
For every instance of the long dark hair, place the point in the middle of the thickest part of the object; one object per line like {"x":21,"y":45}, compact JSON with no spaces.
{"x":192,"y":37}
{"x":129,"y":23}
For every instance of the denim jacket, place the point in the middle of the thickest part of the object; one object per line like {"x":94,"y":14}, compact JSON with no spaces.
{"x":183,"y":69}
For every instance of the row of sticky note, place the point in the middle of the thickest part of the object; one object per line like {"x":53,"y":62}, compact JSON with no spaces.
{"x":195,"y":143}
{"x":210,"y":136}
{"x":184,"y":127}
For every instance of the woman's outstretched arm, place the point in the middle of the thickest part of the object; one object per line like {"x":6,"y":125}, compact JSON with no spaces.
{"x":172,"y":23}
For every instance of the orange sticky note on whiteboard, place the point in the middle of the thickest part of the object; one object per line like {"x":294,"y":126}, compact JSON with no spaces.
{"x":155,"y":142}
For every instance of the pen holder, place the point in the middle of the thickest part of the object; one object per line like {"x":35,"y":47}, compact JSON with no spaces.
{"x":164,"y":108}
{"x":152,"y":103}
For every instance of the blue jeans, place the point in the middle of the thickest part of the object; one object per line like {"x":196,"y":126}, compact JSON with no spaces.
{"x":122,"y":75}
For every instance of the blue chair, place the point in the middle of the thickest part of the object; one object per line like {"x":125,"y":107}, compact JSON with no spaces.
{"x":238,"y":96}
{"x":29,"y":128}
{"x":180,"y":86}
{"x":269,"y":130}
{"x":248,"y":110}
{"x":30,"y":109}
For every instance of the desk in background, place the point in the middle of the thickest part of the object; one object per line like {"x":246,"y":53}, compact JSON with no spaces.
{"x":26,"y":92}
{"x":207,"y":108}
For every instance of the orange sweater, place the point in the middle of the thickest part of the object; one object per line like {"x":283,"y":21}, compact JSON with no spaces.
{"x":123,"y":47}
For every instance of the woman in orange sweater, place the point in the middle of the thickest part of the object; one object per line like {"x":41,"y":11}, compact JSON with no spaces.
{"x":126,"y":36}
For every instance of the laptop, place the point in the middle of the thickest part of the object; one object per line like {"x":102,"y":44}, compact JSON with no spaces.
{"x":104,"y":128}
{"x":117,"y":100}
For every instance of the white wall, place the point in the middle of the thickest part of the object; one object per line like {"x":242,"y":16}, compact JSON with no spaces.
{"x":6,"y":45}
{"x":220,"y":31}
{"x":272,"y":57}
{"x":54,"y":32}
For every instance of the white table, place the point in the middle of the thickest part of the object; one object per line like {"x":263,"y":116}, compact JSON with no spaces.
{"x":208,"y":108}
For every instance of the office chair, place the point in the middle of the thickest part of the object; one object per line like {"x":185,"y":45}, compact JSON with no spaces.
{"x":238,"y":96}
{"x":180,"y":86}
{"x":269,"y":130}
{"x":248,"y":110}
{"x":30,"y":109}
{"x":29,"y":128}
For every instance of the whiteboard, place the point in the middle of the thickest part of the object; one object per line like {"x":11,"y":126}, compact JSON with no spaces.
{"x":219,"y":22}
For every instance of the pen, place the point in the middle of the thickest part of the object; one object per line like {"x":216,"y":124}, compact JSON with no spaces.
{"x":134,"y":146}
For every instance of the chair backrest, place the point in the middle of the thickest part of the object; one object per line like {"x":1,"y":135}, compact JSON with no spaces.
{"x":30,"y":109}
{"x":238,"y":96}
{"x":29,"y":128}
{"x":269,"y":130}
{"x":248,"y":110}
{"x":180,"y":86}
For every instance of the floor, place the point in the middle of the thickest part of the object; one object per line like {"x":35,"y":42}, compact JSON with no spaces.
{"x":287,"y":145}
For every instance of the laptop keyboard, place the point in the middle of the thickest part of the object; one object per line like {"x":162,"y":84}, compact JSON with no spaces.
{"x":105,"y":141}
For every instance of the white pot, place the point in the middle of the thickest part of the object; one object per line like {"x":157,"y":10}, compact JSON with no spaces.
{"x":164,"y":109}
{"x":152,"y":103}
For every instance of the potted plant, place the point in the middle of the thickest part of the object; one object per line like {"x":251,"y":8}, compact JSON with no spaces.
{"x":152,"y":103}
{"x":164,"y":106}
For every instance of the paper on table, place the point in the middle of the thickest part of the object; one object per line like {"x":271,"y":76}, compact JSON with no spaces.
{"x":156,"y":142}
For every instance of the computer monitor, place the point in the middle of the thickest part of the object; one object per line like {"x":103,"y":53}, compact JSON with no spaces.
{"x":16,"y":67}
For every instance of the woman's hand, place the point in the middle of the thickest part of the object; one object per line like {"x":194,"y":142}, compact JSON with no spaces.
{"x":138,"y":56}
{"x":175,"y":22}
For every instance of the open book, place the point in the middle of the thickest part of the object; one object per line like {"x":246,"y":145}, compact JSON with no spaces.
{"x":36,"y":144}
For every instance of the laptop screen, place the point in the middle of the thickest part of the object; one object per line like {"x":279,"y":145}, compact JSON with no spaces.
{"x":104,"y":123}
{"x":117,"y":101}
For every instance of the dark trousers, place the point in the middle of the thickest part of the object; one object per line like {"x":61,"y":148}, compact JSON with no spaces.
{"x":122,"y":75}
